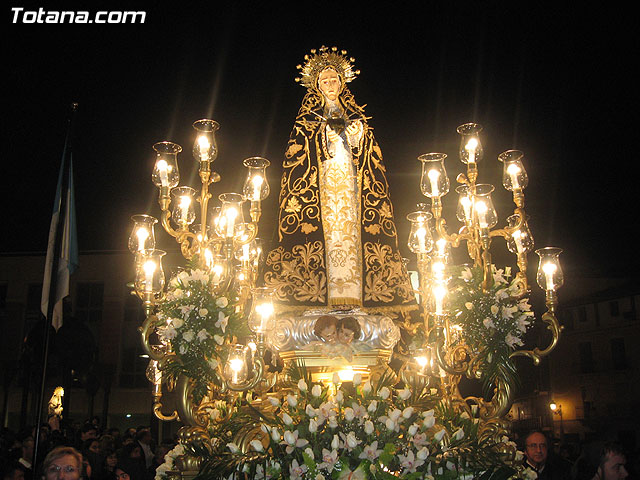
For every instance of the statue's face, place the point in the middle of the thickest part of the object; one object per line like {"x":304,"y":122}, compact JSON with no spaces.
{"x":329,"y":84}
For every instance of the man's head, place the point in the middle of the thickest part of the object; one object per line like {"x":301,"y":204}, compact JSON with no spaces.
{"x":88,"y":431}
{"x":27,"y":448}
{"x":612,"y":463}
{"x":536,"y":449}
{"x":329,"y":83}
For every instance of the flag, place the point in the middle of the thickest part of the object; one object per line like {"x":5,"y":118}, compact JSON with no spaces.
{"x":63,"y":245}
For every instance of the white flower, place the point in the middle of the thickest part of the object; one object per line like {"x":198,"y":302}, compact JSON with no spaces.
{"x":218,"y":339}
{"x":502,"y":294}
{"x":203,"y":312}
{"x":395,"y":414}
{"x":309,"y":453}
{"x":302,"y":385}
{"x":167,"y":333}
{"x":351,"y":440}
{"x":319,"y":477}
{"x":185,"y":310}
{"x":459,"y":434}
{"x":373,"y":406}
{"x":313,"y":425}
{"x":188,"y":336}
{"x":420,"y":439}
{"x":310,"y":411}
{"x":348,"y":414}
{"x":413,"y":429}
{"x":495,"y":309}
{"x":275,"y":434}
{"x":369,"y":427}
{"x":407,"y":412}
{"x":292,"y":441}
{"x":439,"y":435}
{"x":357,"y":379}
{"x":176,"y":322}
{"x":466,"y":274}
{"x":339,"y":396}
{"x":297,"y":471}
{"x":429,"y":422}
{"x":409,"y":462}
{"x":329,"y":459}
{"x":370,"y":452}
{"x":233,"y":447}
{"x":390,"y":424}
{"x":335,"y":442}
{"x":366,"y":388}
{"x":292,"y":400}
{"x":274,"y":401}
{"x":222,"y":302}
{"x":182,"y":349}
{"x":404,"y":394}
{"x":222,"y":322}
{"x":316,"y":391}
{"x":488,"y":323}
{"x":498,"y":276}
{"x":287,"y":419}
{"x":507,"y":312}
{"x":256,"y":445}
{"x":512,"y":340}
{"x":469,"y":305}
{"x":333,"y":422}
{"x":384,"y":393}
{"x":422,"y":454}
{"x":336,"y":378}
{"x":202,"y":335}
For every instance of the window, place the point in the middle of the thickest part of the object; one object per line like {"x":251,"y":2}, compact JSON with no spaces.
{"x":33,"y":313}
{"x":586,"y":357}
{"x":618,"y":354}
{"x":582,"y":314}
{"x":614,"y":309}
{"x":132,"y":365}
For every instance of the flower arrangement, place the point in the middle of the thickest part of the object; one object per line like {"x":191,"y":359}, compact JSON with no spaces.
{"x":494,"y":322}
{"x":169,"y":460}
{"x":196,"y":322}
{"x":357,"y":430}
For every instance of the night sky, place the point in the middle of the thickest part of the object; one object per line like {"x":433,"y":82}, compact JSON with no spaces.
{"x":555,"y":83}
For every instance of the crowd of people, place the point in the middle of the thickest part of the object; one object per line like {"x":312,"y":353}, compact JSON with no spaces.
{"x":82,"y":451}
{"x":87,"y":452}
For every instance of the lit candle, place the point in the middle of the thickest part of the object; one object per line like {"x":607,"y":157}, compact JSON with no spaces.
{"x":471,"y":146}
{"x":257,"y":184}
{"x":442,"y":245}
{"x":439,"y":292}
{"x":185,"y":202}
{"x":203,"y":144}
{"x":208,"y":258}
{"x":549,"y":269}
{"x":421,"y":233}
{"x":513,"y":170}
{"x":149,"y":269}
{"x":434,"y":175}
{"x":466,"y":207}
{"x":142,"y":234}
{"x":438,"y":270}
{"x":162,"y":167}
{"x":236,"y":365}
{"x":265,"y":310}
{"x":481,"y":208}
{"x":231,"y":215}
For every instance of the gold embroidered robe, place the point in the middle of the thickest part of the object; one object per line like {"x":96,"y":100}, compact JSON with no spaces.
{"x":312,"y":216}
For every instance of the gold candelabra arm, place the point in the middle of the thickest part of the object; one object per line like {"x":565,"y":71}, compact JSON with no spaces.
{"x":553,"y":325}
{"x":457,"y":354}
{"x":186,"y":408}
{"x":146,"y":329}
{"x":157,"y":411}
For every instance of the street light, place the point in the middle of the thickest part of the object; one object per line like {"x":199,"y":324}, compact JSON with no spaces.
{"x":556,"y":408}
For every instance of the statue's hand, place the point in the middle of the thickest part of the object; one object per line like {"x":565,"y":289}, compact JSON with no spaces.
{"x":355,"y":128}
{"x":332,"y":135}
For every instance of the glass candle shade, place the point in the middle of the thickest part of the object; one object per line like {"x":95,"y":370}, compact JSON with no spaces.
{"x":262,"y":311}
{"x":218,"y":267}
{"x":420,"y":239}
{"x":434,"y":182}
{"x":471,"y":150}
{"x":256,"y":186}
{"x":521,"y":241}
{"x":550,"y":276}
{"x":184,"y":213}
{"x":165,"y":172}
{"x":514,"y":176}
{"x":236,"y":368}
{"x":484,"y":212}
{"x":205,"y":148}
{"x":149,"y":279}
{"x":142,"y":236}
{"x":230,"y":214}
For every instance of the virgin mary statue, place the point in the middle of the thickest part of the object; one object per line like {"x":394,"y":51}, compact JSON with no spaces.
{"x":337,"y":243}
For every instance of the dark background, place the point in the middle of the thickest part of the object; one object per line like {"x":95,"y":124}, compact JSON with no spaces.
{"x":551,"y":79}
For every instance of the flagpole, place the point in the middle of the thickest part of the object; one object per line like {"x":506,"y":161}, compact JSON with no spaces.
{"x":53,"y":277}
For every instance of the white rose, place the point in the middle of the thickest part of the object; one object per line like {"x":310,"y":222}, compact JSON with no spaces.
{"x":256,"y":445}
{"x":222,"y":302}
{"x":368,"y":427}
{"x":366,"y":388}
{"x":357,"y":379}
{"x":316,"y":391}
{"x":384,"y":393}
{"x":287,"y":419}
{"x":292,"y":401}
{"x":302,"y":385}
{"x":233,"y":447}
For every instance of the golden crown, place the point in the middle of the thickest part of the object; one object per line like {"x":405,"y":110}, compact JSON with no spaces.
{"x":318,"y":60}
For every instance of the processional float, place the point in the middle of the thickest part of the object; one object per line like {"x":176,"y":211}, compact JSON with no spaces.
{"x":281,"y":368}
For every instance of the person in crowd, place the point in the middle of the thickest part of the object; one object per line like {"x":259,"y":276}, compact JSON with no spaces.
{"x":611,"y":464}
{"x":537,"y":458}
{"x":108,"y":466}
{"x":27,"y":457}
{"x":62,"y":463}
{"x":145,"y":440}
{"x":13,"y":471}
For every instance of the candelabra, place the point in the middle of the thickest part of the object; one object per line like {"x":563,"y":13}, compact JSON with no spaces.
{"x":460,"y":342}
{"x":224,"y":254}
